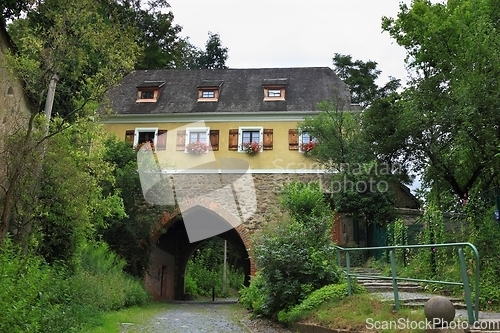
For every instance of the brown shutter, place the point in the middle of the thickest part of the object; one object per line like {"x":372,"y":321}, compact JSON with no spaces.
{"x":129,"y":136}
{"x":181,"y":140}
{"x":293,"y":139}
{"x":268,"y":139}
{"x":214,"y":140}
{"x":233,"y":139}
{"x":161,"y":141}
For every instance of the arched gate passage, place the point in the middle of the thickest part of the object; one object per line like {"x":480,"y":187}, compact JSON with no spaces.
{"x":172,"y":250}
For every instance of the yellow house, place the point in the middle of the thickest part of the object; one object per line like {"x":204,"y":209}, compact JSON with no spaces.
{"x":224,"y":142}
{"x":224,"y":109}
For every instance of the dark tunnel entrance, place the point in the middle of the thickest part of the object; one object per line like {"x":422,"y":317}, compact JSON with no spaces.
{"x":170,"y":257}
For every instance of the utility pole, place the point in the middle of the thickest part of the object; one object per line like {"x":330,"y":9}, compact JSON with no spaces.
{"x":224,"y":269}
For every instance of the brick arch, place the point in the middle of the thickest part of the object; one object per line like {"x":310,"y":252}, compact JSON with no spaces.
{"x":169,"y":218}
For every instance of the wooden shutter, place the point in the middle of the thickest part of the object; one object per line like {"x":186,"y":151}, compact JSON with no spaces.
{"x":214,"y":140}
{"x":129,"y":136}
{"x":233,"y":139}
{"x":267,"y":143}
{"x":161,"y":140}
{"x":181,"y":140}
{"x":293,"y":139}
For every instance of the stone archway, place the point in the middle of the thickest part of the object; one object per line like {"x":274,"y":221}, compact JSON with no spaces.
{"x":172,"y":250}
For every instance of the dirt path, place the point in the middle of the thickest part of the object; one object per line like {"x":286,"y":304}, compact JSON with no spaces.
{"x":205,"y":318}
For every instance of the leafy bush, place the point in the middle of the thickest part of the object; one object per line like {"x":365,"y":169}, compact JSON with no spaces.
{"x":487,"y":242}
{"x":100,"y":281}
{"x":333,"y":292}
{"x":304,"y":199}
{"x":190,"y":285}
{"x":24,"y":281}
{"x":37,"y":297}
{"x":205,"y":270}
{"x":202,"y":276}
{"x":253,"y":297}
{"x":296,"y":256}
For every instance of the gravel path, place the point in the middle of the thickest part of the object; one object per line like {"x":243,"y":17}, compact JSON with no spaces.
{"x":205,"y":317}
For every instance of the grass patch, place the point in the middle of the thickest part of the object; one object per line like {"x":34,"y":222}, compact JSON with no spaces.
{"x":113,"y":322}
{"x":352,"y":313}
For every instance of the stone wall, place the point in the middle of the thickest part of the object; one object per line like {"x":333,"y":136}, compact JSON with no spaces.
{"x":244,"y":201}
{"x":14,"y":106}
{"x":249,"y":197}
{"x":160,"y":278}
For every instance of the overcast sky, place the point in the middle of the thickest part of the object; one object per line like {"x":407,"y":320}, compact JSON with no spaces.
{"x":284,"y":33}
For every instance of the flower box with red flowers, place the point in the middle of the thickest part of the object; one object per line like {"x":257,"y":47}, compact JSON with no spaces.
{"x":197,"y":147}
{"x":307,"y":147}
{"x":251,"y":148}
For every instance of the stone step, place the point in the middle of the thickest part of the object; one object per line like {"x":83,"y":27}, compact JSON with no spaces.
{"x":370,"y":271}
{"x":374,"y":285}
{"x":387,"y":283}
{"x":382,"y":288}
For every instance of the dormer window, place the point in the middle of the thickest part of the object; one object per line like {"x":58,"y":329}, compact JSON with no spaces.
{"x":149,"y":91}
{"x":274,"y":89}
{"x":209,"y":90}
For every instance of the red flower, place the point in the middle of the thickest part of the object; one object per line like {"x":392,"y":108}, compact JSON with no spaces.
{"x":251,"y":148}
{"x":307,"y":147}
{"x":197,"y":147}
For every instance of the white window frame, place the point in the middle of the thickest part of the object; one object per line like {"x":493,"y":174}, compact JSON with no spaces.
{"x":268,"y":89}
{"x":190,"y":130}
{"x":260,"y":129}
{"x":274,"y":93}
{"x":208,"y":93}
{"x":301,"y":141}
{"x":140,"y":99}
{"x":214,"y":98}
{"x":145,"y":129}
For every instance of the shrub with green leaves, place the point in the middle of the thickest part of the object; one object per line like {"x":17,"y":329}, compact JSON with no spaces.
{"x":201,"y":278}
{"x":487,"y":242}
{"x":304,"y":199}
{"x":38,"y":297}
{"x":296,"y":255}
{"x":100,"y":280}
{"x":333,"y":292}
{"x":253,"y":297}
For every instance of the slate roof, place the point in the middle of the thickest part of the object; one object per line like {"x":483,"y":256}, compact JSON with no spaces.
{"x":241,"y":90}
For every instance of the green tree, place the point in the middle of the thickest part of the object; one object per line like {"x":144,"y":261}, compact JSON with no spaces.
{"x":215,"y":55}
{"x":130,"y":235}
{"x":360,"y":183}
{"x":361,"y":78}
{"x":86,"y":49}
{"x":72,"y":204}
{"x":88,"y":52}
{"x":446,"y":121}
{"x":156,"y":34}
{"x":13,"y":8}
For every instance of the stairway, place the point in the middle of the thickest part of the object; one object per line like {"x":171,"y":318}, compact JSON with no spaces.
{"x":411,"y":294}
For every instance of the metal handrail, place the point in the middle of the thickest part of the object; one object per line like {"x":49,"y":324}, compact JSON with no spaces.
{"x":472,"y":311}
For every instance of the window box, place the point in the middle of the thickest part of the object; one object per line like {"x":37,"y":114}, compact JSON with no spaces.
{"x":251,"y":148}
{"x":197,"y":147}
{"x":306,"y":143}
